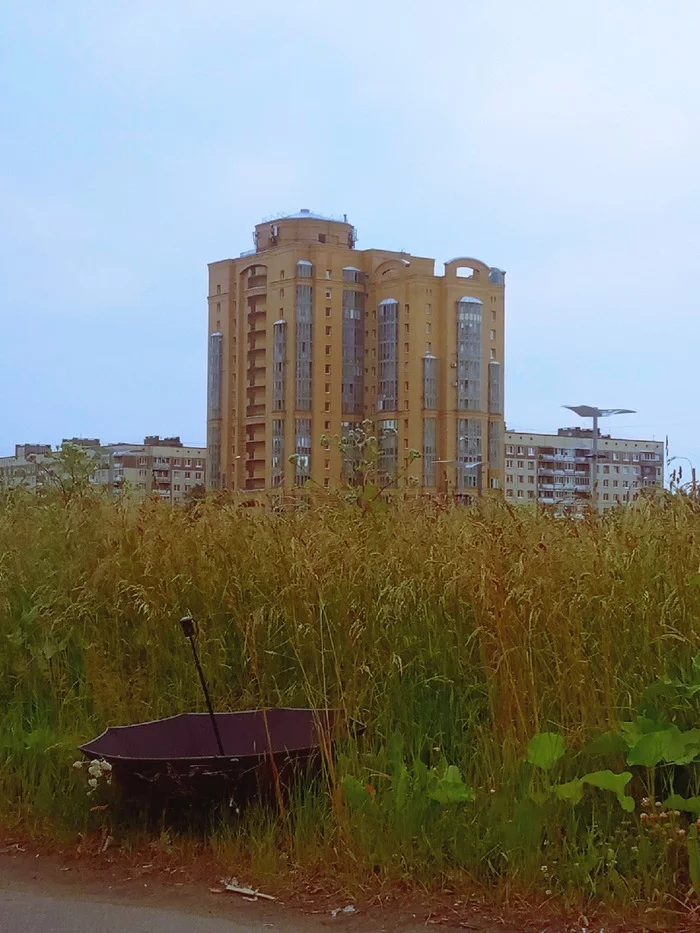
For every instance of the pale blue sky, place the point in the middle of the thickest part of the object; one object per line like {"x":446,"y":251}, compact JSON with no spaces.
{"x":144,"y":138}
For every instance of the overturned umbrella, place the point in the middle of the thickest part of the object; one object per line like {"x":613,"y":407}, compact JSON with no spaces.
{"x":218,"y":755}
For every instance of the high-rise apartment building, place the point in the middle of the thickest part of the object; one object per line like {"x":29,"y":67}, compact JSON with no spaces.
{"x":559,"y":469}
{"x":309,"y":336}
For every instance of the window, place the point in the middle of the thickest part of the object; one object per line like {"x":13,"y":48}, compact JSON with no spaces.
{"x":531,"y":464}
{"x":531,"y":494}
{"x":281,"y":293}
{"x":388,"y":355}
{"x":531,"y":480}
{"x":328,"y":350}
{"x":492,"y":335}
{"x":188,"y":476}
{"x":279,"y":357}
{"x":302,"y":470}
{"x":218,"y":289}
{"x":520,"y":450}
{"x":519,"y":494}
{"x":197,"y":475}
{"x":606,"y":482}
{"x":469,"y":354}
{"x":428,"y":308}
{"x":509,"y":448}
{"x":329,"y":293}
{"x":188,"y":463}
{"x":326,"y":425}
{"x":521,"y":478}
{"x":329,"y":273}
{"x":218,"y":307}
{"x":322,"y":238}
{"x":328,"y":331}
{"x":509,"y":477}
{"x":509,"y":463}
{"x":388,"y":436}
{"x":304,"y":337}
{"x":406,"y":328}
{"x":328,"y":312}
{"x":328,"y":388}
{"x":521,"y":464}
{"x":327,"y":368}
{"x":177,"y":487}
{"x":492,"y":354}
{"x":428,"y":327}
{"x":615,"y":483}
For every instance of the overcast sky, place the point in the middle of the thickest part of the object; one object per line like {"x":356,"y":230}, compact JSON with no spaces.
{"x":142,"y":139}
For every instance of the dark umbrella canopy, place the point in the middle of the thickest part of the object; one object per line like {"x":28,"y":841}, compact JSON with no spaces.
{"x":179,"y":756}
{"x":190,"y":736}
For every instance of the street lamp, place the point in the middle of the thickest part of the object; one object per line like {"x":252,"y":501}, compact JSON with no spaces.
{"x":589,"y":411}
{"x":462,"y":467}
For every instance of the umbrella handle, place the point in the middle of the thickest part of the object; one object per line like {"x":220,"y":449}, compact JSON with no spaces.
{"x":189,"y":627}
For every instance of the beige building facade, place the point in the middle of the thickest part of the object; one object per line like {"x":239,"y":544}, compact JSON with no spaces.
{"x":161,"y":466}
{"x":309,"y":336}
{"x":559,"y":469}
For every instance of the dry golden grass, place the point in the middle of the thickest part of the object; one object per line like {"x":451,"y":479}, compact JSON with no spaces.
{"x":463,"y":630}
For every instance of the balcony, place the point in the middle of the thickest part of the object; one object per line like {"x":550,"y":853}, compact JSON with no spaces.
{"x":255,"y":482}
{"x":255,"y":411}
{"x":255,"y":375}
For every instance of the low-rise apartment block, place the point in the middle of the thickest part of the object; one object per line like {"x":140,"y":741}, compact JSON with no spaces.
{"x":559,"y":469}
{"x":163,"y":466}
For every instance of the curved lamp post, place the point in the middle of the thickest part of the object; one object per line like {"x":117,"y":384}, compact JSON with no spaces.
{"x":590,"y":411}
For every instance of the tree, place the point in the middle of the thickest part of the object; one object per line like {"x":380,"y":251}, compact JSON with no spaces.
{"x":68,"y":471}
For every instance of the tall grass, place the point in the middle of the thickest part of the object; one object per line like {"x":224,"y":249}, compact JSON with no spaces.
{"x":454,"y":634}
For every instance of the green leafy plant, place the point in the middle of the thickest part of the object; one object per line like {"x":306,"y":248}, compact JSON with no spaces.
{"x":545,"y":749}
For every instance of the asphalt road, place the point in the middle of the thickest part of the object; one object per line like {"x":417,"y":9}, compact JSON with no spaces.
{"x":25,"y":912}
